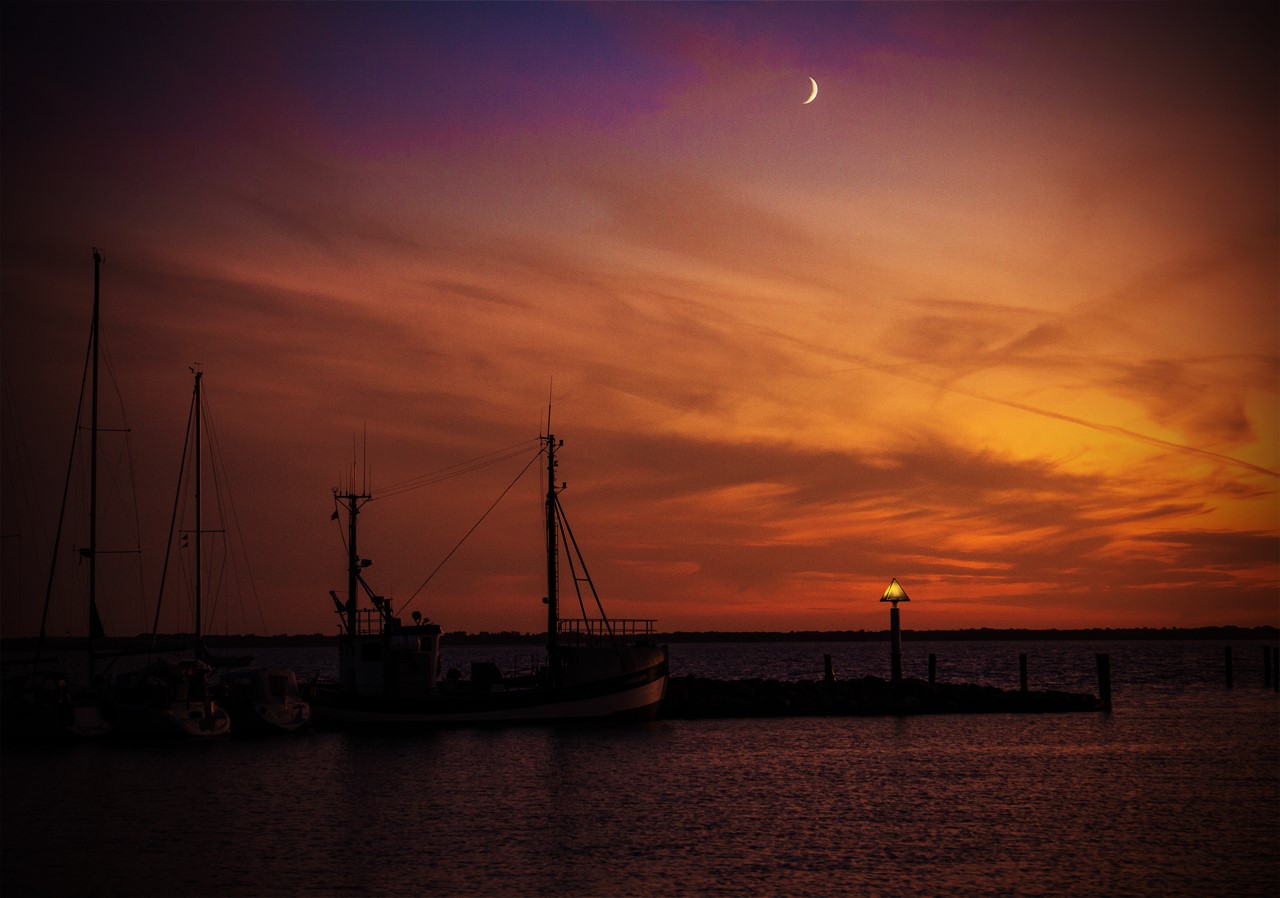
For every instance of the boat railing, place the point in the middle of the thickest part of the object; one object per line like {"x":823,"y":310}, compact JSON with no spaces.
{"x":524,"y":664}
{"x":589,"y":631}
{"x":368,"y":622}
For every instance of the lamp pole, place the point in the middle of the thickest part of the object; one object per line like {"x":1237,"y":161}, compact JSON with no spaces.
{"x":895,"y":594}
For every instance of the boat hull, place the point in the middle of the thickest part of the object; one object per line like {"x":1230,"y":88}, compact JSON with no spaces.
{"x":39,"y":706}
{"x":272,"y":719}
{"x":263,"y":701}
{"x":87,"y":721}
{"x":168,"y":698}
{"x":636,"y":695}
{"x":180,"y":719}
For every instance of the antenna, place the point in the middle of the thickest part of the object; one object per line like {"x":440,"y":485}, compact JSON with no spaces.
{"x":550,"y":389}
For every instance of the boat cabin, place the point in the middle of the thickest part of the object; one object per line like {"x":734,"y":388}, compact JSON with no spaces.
{"x":386,"y":657}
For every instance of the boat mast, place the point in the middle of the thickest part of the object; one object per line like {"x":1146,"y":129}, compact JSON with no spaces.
{"x":195,"y":399}
{"x":94,"y":621}
{"x":553,"y":549}
{"x":351,"y":501}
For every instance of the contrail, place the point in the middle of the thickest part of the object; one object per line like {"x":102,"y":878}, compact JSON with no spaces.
{"x":1114,"y":430}
{"x":1117,"y":431}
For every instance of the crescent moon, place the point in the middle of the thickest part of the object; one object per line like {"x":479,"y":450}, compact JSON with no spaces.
{"x":813,"y":95}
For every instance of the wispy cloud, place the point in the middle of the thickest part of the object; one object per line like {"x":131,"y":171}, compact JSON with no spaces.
{"x":996,"y":314}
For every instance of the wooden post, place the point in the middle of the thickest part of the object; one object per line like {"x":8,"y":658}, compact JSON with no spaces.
{"x":1104,"y":681}
{"x":1266,"y":666}
{"x":1226,"y":655}
{"x":1022,"y":672}
{"x":933,"y":668}
{"x":828,"y":672}
{"x":1275,"y":669}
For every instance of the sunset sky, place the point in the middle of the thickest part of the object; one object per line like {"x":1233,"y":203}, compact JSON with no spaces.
{"x":995,"y":315}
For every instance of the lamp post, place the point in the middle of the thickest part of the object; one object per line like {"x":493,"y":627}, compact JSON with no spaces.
{"x":895,"y":594}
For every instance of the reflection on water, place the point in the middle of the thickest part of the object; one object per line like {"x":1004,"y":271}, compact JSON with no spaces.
{"x":1174,"y":794}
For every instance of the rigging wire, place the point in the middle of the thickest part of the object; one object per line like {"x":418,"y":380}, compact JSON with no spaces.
{"x":445,"y":560}
{"x":222,"y":490}
{"x":573,"y":570}
{"x":178,"y":497}
{"x":568,"y":531}
{"x":496,"y":457}
{"x":66,"y":489}
{"x":211,"y":587}
{"x":116,"y":466}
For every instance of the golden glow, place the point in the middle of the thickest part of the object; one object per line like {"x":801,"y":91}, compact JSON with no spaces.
{"x":1001,"y":321}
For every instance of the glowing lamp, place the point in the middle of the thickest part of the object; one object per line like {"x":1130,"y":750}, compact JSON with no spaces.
{"x":895,"y":593}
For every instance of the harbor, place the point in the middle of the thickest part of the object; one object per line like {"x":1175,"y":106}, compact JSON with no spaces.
{"x":726,"y":676}
{"x":734,"y":806}
{"x":700,"y":697}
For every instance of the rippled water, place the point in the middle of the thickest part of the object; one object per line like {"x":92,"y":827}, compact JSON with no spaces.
{"x":1175,"y":793}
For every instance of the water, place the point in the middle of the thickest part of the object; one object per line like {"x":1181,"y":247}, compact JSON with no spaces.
{"x":1175,"y":793}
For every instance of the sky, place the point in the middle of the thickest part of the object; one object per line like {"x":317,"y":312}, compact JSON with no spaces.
{"x":995,"y":315}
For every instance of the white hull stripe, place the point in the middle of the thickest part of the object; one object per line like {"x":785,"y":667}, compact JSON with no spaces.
{"x":612,"y":704}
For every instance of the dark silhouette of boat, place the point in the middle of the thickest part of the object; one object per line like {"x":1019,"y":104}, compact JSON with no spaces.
{"x":389,"y":670}
{"x":39,"y":704}
{"x":176,"y":697}
{"x":264,"y":700}
{"x":169,"y":698}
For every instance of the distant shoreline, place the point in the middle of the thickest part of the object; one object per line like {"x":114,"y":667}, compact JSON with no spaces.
{"x":177,"y":642}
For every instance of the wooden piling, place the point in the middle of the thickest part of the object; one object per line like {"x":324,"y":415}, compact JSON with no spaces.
{"x":1275,"y":669}
{"x":1104,"y":681}
{"x":933,"y":668}
{"x":1266,"y":666}
{"x":1022,"y":672}
{"x":828,"y":672}
{"x":1226,"y":657}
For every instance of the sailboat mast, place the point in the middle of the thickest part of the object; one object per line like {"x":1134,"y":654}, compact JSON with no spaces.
{"x":553,"y":549}
{"x":93,"y":464}
{"x":199,"y":613}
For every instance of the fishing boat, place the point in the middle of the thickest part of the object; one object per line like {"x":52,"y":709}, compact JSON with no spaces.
{"x":40,"y":703}
{"x":176,"y":697}
{"x":264,"y":700}
{"x":389,"y":669}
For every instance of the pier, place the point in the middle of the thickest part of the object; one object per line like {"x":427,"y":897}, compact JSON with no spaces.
{"x":691,"y":698}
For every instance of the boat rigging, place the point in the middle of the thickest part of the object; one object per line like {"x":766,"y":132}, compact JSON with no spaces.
{"x":389,"y":670}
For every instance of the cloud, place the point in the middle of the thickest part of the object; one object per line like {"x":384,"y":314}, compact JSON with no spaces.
{"x":1015,"y":340}
{"x":1177,"y":396}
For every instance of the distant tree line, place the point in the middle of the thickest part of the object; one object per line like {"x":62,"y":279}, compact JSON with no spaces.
{"x":179,"y":641}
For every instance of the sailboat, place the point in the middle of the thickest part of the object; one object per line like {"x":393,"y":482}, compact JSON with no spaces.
{"x":264,"y":700}
{"x":389,"y":670}
{"x":40,"y":703}
{"x":176,"y":697}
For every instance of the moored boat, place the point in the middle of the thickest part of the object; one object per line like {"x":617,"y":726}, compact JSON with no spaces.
{"x":176,"y":697}
{"x":172,"y":698}
{"x":389,"y":670}
{"x":264,"y":700}
{"x":39,"y":705}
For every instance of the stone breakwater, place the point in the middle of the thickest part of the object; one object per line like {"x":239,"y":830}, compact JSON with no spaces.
{"x":697,"y":697}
